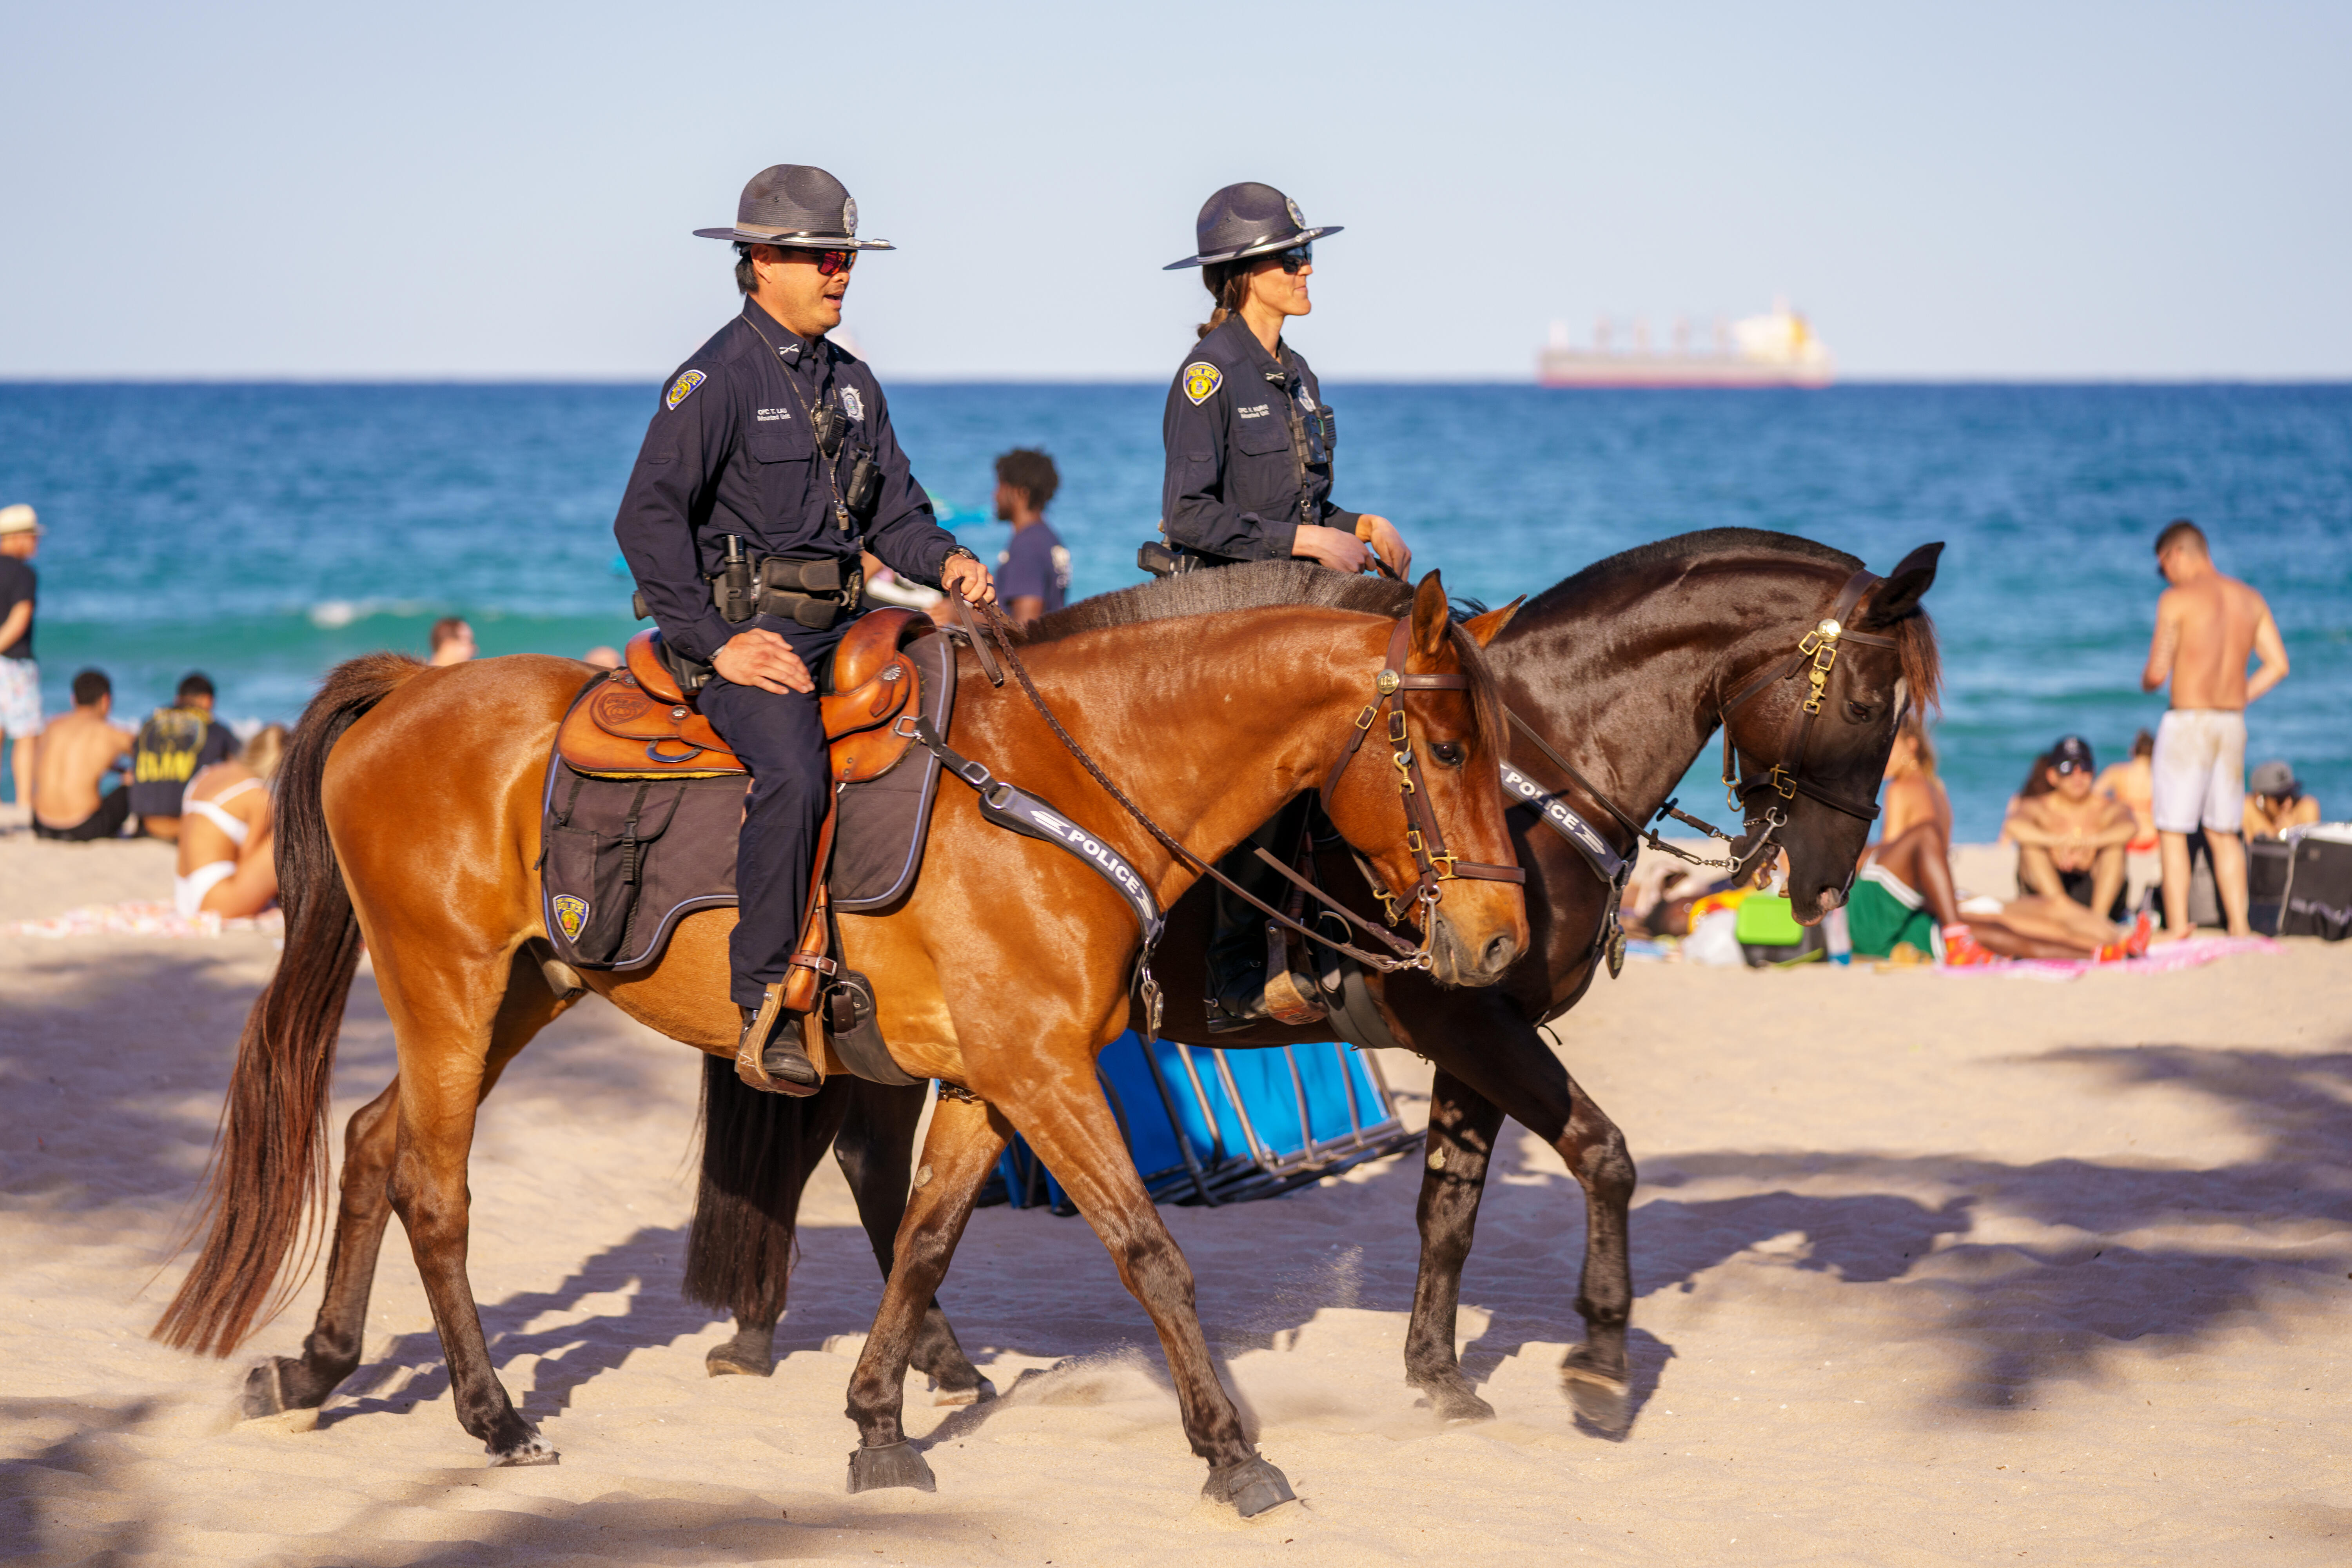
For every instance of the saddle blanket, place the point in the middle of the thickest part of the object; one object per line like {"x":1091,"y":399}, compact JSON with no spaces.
{"x":625,"y":860}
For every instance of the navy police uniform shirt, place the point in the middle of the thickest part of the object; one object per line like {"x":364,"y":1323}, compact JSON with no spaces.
{"x":730,"y":451}
{"x":1249,"y":449}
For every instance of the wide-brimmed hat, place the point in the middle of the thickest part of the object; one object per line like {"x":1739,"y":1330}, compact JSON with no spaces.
{"x":1248,"y":220}
{"x":797,"y":205}
{"x":19,"y":519}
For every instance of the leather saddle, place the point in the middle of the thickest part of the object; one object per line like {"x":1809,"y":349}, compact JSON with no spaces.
{"x":638,"y":723}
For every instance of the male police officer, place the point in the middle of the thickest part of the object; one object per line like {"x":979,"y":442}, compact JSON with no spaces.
{"x":768,"y":465}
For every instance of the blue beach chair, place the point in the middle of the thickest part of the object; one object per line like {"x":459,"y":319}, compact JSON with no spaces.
{"x":1216,"y":1127}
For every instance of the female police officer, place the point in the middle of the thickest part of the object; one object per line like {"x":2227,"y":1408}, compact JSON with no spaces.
{"x":1248,"y":437}
{"x":1249,"y":478}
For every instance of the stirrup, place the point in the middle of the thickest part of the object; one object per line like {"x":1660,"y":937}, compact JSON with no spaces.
{"x":766,"y":1057}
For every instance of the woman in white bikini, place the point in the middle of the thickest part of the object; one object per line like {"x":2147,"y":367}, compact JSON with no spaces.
{"x":227,"y":863}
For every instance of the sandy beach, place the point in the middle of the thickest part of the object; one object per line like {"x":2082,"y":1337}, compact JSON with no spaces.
{"x":1931,"y":1268}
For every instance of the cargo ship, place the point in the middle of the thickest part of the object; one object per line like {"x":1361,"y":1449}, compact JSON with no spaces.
{"x":1777,"y":349}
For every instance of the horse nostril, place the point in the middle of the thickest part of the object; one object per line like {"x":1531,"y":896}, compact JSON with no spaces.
{"x":1500,"y":952}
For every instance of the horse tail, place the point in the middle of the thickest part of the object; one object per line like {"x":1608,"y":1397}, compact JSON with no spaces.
{"x":268,"y":1179}
{"x":738,"y":1255}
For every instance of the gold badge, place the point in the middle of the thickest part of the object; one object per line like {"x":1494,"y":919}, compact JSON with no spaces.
{"x":571,"y":913}
{"x":682,"y":386}
{"x":1201,"y":378}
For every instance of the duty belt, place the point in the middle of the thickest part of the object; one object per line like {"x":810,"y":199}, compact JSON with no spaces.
{"x":813,"y":593}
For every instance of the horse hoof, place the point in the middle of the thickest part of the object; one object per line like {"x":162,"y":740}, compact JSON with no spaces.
{"x":895,"y":1464}
{"x":1249,"y":1488}
{"x":1454,"y":1402}
{"x":533,"y":1449}
{"x":978,"y":1394}
{"x":1601,"y":1402}
{"x":738,"y":1358}
{"x":265,"y":1391}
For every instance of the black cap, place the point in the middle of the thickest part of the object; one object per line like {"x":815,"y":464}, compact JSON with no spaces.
{"x":2070,"y":754}
{"x":795,"y":204}
{"x":195,"y":683}
{"x":1247,"y":219}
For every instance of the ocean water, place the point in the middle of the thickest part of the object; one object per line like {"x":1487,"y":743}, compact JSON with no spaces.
{"x":262,"y":532}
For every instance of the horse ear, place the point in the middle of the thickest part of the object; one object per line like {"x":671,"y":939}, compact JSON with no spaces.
{"x":1900,"y":594}
{"x":1429,"y":617}
{"x":1484,"y":629}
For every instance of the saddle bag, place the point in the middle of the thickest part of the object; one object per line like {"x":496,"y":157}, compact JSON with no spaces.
{"x":611,"y":894}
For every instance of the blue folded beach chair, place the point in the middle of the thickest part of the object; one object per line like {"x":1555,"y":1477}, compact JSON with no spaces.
{"x":1216,"y":1127}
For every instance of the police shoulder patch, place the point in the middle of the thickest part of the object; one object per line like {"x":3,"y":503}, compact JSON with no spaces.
{"x":685,"y":383}
{"x":571,"y":914}
{"x":1201,"y":379}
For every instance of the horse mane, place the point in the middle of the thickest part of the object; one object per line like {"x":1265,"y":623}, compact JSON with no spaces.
{"x":1271,"y":584}
{"x":1252,"y":585}
{"x":1913,"y":634}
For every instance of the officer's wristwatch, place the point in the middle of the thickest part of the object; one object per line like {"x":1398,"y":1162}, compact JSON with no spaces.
{"x":954,"y":551}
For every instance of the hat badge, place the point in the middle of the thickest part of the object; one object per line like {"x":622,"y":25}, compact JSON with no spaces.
{"x":1297,"y":218}
{"x":849,"y":215}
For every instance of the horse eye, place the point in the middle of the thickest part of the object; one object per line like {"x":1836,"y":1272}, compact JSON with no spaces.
{"x":1858,"y":711}
{"x":1447,"y":751}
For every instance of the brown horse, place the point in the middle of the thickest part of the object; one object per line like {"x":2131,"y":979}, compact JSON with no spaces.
{"x":1625,"y":669}
{"x":410,"y":814}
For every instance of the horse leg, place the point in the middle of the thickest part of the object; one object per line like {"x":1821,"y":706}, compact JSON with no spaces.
{"x":332,"y":1351}
{"x":1595,"y":1372}
{"x":1462,"y":1124}
{"x":1513,"y":1071}
{"x":758,"y":1152}
{"x":965,"y":1138}
{"x":449,"y":1060}
{"x":1067,"y":1122}
{"x":874,"y":1149}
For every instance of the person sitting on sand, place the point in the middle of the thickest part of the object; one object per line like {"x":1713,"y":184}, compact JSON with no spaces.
{"x":1905,"y":896}
{"x":2070,"y":840}
{"x":76,"y":752}
{"x":2132,"y":785}
{"x":1914,"y":793}
{"x":2275,"y":802}
{"x":227,"y":861}
{"x":452,"y":640}
{"x":176,"y":744}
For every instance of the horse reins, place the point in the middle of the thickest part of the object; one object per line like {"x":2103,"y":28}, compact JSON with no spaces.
{"x":1422,"y":834}
{"x":1816,"y":654}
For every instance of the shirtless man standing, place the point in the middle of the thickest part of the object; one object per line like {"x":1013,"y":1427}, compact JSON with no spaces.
{"x":78,"y":750}
{"x":2070,"y":840}
{"x":2207,"y":627}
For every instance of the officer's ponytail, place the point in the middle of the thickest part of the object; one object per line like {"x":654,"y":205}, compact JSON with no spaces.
{"x":1229,"y":282}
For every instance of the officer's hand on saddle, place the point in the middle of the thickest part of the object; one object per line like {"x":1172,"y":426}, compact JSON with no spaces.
{"x":1332,"y":547}
{"x":1381,"y":535}
{"x":762,"y":659}
{"x":964,"y":575}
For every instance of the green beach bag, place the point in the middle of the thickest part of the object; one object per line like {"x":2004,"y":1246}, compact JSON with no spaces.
{"x":1768,"y":933}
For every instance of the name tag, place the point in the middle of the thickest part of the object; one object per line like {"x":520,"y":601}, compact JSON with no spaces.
{"x":768,"y":416}
{"x":1259,"y":412}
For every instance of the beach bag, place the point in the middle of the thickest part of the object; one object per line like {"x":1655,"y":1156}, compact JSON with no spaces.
{"x":2269,"y":862}
{"x":1768,"y":933}
{"x":2318,"y":897}
{"x":1714,"y":940}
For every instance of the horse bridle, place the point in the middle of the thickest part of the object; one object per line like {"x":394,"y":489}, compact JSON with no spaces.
{"x":1817,"y":655}
{"x":1435,"y":865}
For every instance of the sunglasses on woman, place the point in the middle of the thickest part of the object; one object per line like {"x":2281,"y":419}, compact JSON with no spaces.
{"x":1297,"y":256}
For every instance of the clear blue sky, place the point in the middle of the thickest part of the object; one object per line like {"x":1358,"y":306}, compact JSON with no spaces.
{"x":501,"y":190}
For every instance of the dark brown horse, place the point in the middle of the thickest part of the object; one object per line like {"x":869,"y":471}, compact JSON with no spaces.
{"x":1626,"y":669}
{"x":409,"y":812}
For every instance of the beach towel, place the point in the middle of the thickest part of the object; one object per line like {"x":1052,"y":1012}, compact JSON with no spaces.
{"x":2163,"y":959}
{"x":140,"y":918}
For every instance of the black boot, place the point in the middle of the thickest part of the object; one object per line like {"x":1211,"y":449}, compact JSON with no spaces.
{"x":1240,"y":950}
{"x":780,"y":1056}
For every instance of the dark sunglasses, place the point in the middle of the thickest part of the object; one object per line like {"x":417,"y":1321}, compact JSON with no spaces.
{"x":829,"y":262}
{"x":1297,"y":256}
